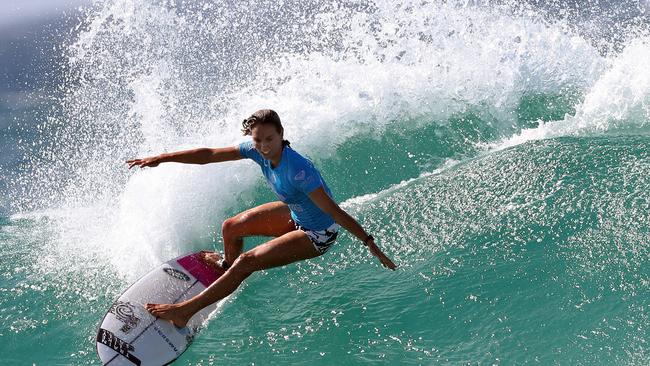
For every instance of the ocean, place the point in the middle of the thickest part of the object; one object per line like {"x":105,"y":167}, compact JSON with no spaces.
{"x":499,"y":152}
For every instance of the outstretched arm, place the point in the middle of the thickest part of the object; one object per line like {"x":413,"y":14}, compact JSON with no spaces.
{"x":195,"y":156}
{"x":327,"y":205}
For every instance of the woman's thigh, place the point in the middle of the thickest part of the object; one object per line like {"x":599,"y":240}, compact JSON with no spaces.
{"x":270,"y":219}
{"x":288,"y":248}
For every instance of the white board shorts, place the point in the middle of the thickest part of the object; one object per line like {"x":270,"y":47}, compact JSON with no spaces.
{"x":322,"y":239}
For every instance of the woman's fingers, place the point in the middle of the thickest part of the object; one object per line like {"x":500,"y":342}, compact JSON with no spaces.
{"x":133,"y":163}
{"x":385,"y":261}
{"x":389,"y":263}
{"x":142,"y":163}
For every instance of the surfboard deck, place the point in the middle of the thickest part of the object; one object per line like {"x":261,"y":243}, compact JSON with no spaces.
{"x":130,"y":335}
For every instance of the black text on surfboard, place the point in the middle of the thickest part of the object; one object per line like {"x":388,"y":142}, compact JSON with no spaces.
{"x":109,"y":339}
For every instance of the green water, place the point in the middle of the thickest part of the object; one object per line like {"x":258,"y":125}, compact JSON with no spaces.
{"x":537,"y":253}
{"x":501,"y":160}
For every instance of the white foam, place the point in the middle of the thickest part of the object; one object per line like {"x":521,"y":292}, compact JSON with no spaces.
{"x":474,"y":59}
{"x":618,"y":102}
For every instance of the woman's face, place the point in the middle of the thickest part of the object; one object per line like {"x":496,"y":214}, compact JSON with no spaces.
{"x":267,"y":140}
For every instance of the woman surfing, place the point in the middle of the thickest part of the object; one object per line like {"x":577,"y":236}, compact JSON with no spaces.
{"x":304,"y":223}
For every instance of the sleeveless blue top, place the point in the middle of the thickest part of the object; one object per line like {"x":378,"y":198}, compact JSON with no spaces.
{"x":292,"y":181}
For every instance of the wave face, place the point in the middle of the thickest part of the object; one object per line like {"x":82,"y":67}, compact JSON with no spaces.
{"x":498,"y":152}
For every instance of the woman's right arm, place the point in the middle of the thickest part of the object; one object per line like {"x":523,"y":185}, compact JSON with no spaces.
{"x":195,"y":156}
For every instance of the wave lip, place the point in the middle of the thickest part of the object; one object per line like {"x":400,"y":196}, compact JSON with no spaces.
{"x":617,"y":103}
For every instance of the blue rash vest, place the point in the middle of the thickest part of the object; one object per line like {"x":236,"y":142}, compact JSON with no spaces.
{"x":292,"y":181}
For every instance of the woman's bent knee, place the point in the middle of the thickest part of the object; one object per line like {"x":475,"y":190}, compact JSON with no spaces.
{"x":229,"y":225}
{"x":245,"y":264}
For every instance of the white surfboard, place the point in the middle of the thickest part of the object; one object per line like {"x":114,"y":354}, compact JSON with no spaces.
{"x":130,"y":335}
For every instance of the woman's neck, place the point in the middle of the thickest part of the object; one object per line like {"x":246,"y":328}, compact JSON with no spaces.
{"x":275,"y":161}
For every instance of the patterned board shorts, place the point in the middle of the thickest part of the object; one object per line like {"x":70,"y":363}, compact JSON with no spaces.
{"x":322,"y":239}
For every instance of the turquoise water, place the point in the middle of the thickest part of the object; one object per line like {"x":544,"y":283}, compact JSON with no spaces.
{"x":501,"y":158}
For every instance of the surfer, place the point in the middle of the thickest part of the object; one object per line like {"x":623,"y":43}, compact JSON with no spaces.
{"x":304,"y":223}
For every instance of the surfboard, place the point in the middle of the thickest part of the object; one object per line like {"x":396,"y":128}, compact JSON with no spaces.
{"x":130,"y":335}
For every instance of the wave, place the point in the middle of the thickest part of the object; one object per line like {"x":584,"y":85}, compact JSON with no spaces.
{"x":497,"y":153}
{"x":617,"y":103}
{"x":151,"y":77}
{"x":542,"y":245}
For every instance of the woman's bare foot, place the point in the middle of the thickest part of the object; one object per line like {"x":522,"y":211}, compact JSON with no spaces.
{"x":212,"y":259}
{"x":177,"y":314}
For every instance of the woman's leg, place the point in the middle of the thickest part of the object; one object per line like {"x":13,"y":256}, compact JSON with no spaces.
{"x":288,"y":248}
{"x":270,"y":219}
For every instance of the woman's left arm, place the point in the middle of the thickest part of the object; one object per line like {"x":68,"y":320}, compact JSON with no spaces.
{"x":327,"y":205}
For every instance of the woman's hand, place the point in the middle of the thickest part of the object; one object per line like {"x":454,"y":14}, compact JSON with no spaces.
{"x":385,"y":261}
{"x":146,"y":162}
{"x":327,"y":205}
